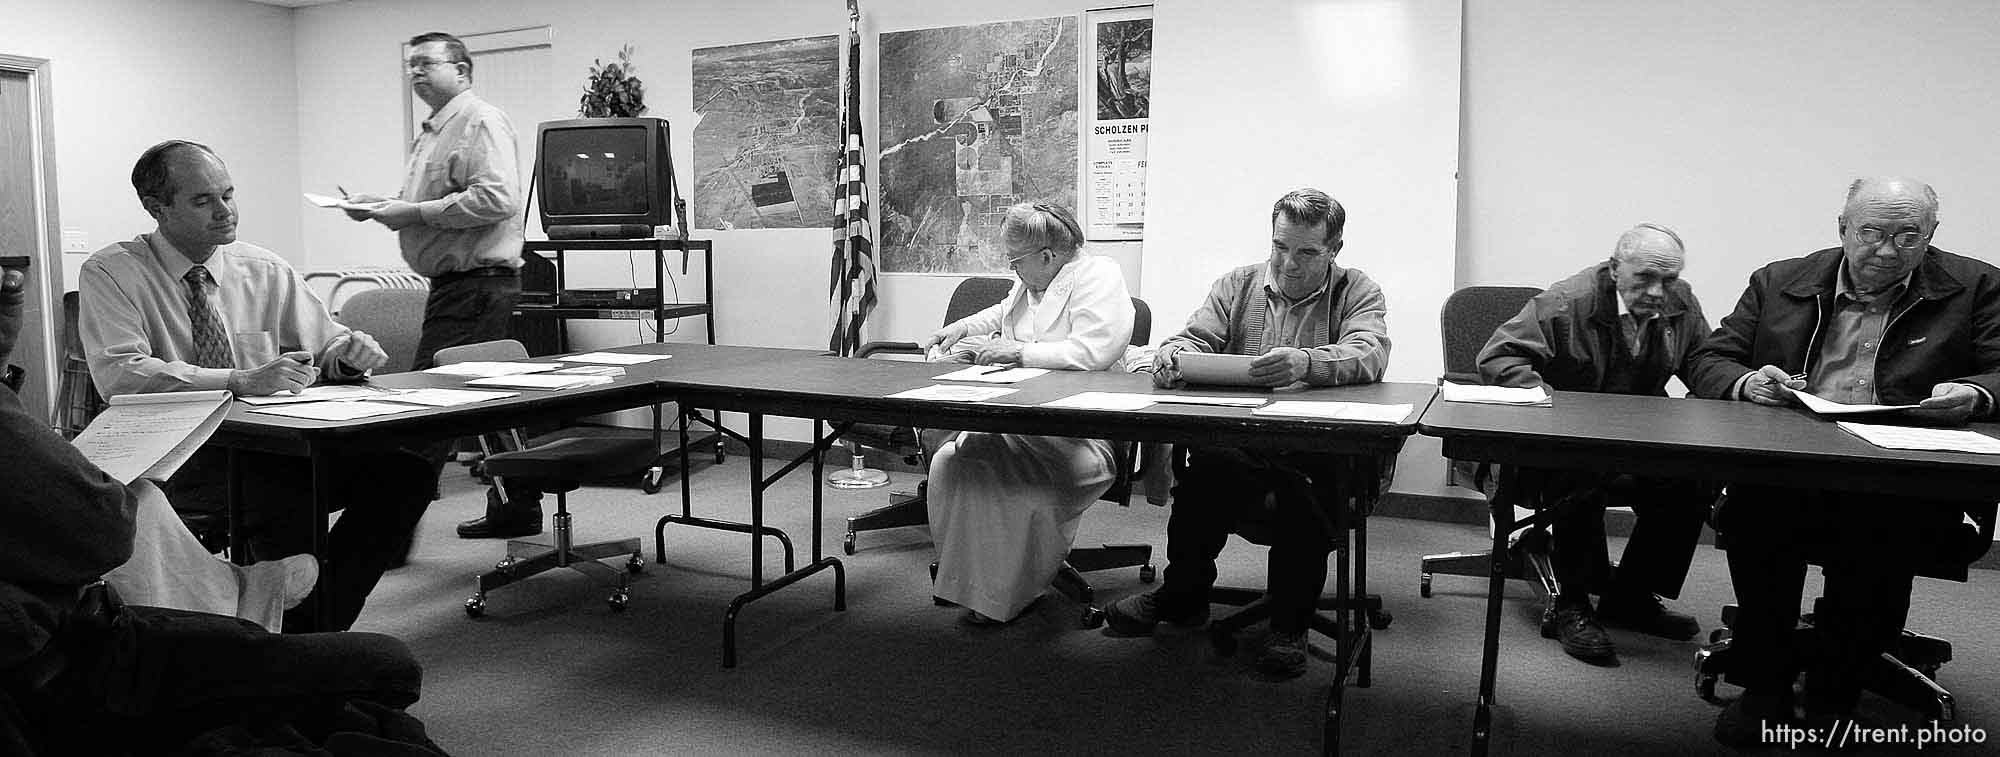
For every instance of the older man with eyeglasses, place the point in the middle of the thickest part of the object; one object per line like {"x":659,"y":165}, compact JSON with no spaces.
{"x":1883,"y":318}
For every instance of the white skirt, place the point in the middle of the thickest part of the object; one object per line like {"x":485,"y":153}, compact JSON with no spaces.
{"x":1003,"y":513}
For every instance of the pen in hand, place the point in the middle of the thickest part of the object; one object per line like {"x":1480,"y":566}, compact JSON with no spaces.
{"x":343,"y":191}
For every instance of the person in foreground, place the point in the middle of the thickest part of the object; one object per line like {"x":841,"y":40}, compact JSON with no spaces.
{"x":1313,"y":323}
{"x":82,"y":673}
{"x":187,"y":307}
{"x":459,"y":221}
{"x":1883,"y":318}
{"x":1004,"y":507}
{"x":1622,"y":326}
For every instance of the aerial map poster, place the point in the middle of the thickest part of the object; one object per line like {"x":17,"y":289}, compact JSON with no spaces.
{"x":767,"y":134}
{"x":972,"y":119}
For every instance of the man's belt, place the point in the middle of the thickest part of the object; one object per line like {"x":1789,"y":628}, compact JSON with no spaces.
{"x":475,"y":273}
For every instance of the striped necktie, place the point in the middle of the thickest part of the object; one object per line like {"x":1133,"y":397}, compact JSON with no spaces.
{"x":211,"y":342}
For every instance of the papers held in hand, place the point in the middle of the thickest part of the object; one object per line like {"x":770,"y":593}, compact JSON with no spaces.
{"x":1494,"y":395}
{"x":151,"y":435}
{"x":1215,"y":368}
{"x":326,"y":201}
{"x":1825,"y":406}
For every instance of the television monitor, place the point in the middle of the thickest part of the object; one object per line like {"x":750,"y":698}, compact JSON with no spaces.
{"x":610,"y":178}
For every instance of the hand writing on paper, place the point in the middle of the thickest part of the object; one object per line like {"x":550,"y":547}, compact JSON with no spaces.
{"x":1951,"y":404}
{"x":1280,"y":366}
{"x":1771,"y":385}
{"x":999,"y":351}
{"x":291,"y":372}
{"x":396,"y":214}
{"x":361,"y":214}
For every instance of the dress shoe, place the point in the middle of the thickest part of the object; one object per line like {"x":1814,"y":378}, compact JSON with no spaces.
{"x":504,"y":519}
{"x":1756,"y":719}
{"x":1646,"y":614}
{"x":1284,"y":656}
{"x":1137,"y":614}
{"x":1573,"y":624}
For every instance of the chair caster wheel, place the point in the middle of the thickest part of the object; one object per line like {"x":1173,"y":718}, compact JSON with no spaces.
{"x":1424,"y":586}
{"x":505,"y":566}
{"x":1380,"y":619}
{"x":636,"y":564}
{"x":619,"y":599}
{"x":847,"y":543}
{"x":1223,"y":641}
{"x":1704,"y":686}
{"x":475,"y":606}
{"x":934,"y":571}
{"x":1147,"y":573}
{"x":1092,"y":617}
{"x":720,"y":455}
{"x":650,"y":483}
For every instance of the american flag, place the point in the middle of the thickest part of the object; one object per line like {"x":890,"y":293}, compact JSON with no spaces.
{"x":851,"y":288}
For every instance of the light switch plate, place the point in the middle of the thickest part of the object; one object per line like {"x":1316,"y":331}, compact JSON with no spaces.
{"x":75,"y":241}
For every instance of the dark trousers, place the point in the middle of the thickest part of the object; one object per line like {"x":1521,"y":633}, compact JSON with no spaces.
{"x":145,"y":680}
{"x":1219,"y":489}
{"x":465,"y":309}
{"x":381,"y":497}
{"x":1669,"y":513}
{"x":1869,"y":548}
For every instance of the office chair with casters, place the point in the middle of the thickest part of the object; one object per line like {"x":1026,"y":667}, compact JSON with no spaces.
{"x":1468,"y":320}
{"x":971,"y":296}
{"x":556,"y":467}
{"x":1907,"y":674}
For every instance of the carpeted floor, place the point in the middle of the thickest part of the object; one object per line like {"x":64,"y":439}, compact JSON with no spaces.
{"x":551,"y":670}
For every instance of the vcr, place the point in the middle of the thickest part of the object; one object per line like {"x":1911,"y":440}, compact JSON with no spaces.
{"x":647,"y":297}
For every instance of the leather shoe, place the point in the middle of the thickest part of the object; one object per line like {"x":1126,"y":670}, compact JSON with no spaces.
{"x":1646,"y":614}
{"x":1577,"y":628}
{"x":1136,"y":615}
{"x":1284,"y":656}
{"x":504,"y":519}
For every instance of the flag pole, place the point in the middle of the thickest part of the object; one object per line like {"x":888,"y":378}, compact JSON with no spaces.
{"x":852,"y":266}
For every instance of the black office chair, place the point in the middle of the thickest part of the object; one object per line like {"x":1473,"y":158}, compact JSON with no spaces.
{"x":557,"y":467}
{"x":1906,"y":674}
{"x":1468,"y":320}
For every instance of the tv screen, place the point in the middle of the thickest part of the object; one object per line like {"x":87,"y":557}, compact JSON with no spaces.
{"x":596,"y":171}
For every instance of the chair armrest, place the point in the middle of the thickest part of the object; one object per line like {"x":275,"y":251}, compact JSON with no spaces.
{"x":892,"y":348}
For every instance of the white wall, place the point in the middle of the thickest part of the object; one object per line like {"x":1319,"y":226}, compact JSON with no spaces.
{"x":1741,"y":130}
{"x":127,"y":74}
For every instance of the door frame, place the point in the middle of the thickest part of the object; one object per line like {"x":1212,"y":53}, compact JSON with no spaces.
{"x":47,"y":271}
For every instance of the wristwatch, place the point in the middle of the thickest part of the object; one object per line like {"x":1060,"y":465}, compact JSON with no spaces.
{"x":12,"y":378}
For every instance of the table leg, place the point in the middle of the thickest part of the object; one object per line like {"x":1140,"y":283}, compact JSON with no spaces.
{"x":1496,"y":585}
{"x":758,"y":588}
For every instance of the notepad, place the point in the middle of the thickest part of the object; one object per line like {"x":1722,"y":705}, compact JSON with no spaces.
{"x":992,"y":374}
{"x":1214,"y":368}
{"x":151,"y":435}
{"x":1825,"y":406}
{"x":327,"y":201}
{"x":1533,"y":396}
{"x":549,"y":381}
{"x":1343,"y":411}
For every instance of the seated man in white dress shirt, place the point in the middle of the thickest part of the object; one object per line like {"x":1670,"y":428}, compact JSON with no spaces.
{"x":1004,"y":507}
{"x":187,"y":307}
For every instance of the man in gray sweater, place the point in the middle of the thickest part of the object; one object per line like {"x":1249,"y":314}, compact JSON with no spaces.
{"x":1312,"y":323}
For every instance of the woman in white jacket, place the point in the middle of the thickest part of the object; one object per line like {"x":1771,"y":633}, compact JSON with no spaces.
{"x":1004,"y":507}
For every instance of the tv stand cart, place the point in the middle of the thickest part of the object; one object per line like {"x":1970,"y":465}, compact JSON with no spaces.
{"x":658,"y":314}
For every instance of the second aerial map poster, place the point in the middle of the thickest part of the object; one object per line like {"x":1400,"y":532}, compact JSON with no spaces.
{"x":765,"y":144}
{"x":972,"y":119}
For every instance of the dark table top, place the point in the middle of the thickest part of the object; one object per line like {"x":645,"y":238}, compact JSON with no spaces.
{"x":1710,"y":439}
{"x":810,"y":384}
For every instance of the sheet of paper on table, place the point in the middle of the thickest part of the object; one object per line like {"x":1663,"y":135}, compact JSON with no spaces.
{"x":335,"y":411}
{"x":992,"y":374}
{"x":1494,"y":395}
{"x":951,"y":393}
{"x":548,"y":381}
{"x":324,"y":393}
{"x":612,"y":358}
{"x":446,"y":397}
{"x":489,"y":369}
{"x":1825,"y":406}
{"x":1103,"y":401}
{"x":1343,"y":411}
{"x":1938,"y":439}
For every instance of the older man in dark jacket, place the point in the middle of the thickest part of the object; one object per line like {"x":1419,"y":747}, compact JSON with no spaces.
{"x":1884,"y":318}
{"x":1622,"y":326}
